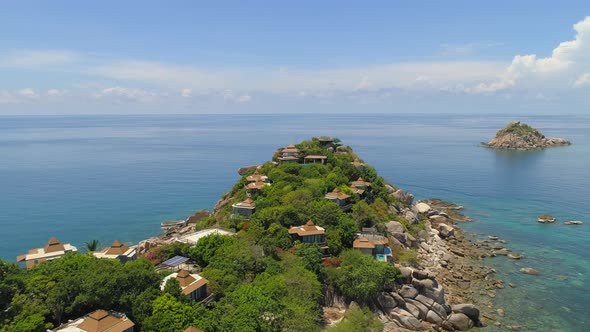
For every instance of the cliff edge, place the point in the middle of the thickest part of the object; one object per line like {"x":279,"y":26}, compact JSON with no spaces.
{"x":520,"y":136}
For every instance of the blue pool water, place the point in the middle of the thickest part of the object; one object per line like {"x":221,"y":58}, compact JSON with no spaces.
{"x":117,"y":177}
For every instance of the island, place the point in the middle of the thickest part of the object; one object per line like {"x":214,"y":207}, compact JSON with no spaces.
{"x":520,"y":136}
{"x":323,"y":243}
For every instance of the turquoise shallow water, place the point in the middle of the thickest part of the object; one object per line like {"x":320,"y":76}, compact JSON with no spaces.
{"x":117,"y":177}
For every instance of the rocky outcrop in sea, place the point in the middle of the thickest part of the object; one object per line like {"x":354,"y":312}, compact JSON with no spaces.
{"x":520,"y":136}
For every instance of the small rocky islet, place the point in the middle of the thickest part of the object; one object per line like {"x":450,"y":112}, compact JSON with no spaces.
{"x":520,"y":136}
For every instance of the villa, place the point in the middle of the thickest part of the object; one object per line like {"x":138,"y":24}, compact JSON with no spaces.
{"x":257,"y":178}
{"x":289,"y":154}
{"x":374,"y":245}
{"x":339,"y":198}
{"x":360,"y":186}
{"x":99,"y":321}
{"x":326,"y":142}
{"x":314,"y":159}
{"x":54,"y":249}
{"x":192,"y":285}
{"x":245,"y":208}
{"x":359,"y":164}
{"x":255,"y":187}
{"x":119,"y":251}
{"x":309,"y":233}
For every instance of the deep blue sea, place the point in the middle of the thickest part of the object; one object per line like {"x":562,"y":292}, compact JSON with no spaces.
{"x":116,"y":177}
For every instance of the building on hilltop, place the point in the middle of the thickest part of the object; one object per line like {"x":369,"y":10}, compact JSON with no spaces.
{"x":119,"y":251}
{"x":309,"y":233}
{"x":290,"y":154}
{"x":326,"y":142}
{"x":245,"y":208}
{"x":99,"y":321}
{"x":315,"y":159}
{"x":192,"y":285}
{"x":373,"y":244}
{"x":54,"y":249}
{"x":339,"y":198}
{"x":360,"y":186}
{"x":255,"y":188}
{"x":359,"y":164}
{"x":256,"y":177}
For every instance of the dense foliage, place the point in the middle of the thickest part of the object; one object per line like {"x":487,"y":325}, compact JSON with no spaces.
{"x":262,"y":278}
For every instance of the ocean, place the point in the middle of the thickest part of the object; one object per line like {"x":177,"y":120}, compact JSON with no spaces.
{"x":81,"y":178}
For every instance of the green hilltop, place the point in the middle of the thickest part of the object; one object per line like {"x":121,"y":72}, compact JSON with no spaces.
{"x":264,"y":278}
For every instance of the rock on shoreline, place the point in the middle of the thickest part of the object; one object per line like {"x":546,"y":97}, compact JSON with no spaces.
{"x":520,"y":136}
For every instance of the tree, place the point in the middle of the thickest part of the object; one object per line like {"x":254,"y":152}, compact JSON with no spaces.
{"x":207,"y":246}
{"x":311,"y":255}
{"x":92,"y":245}
{"x":360,"y":277}
{"x":172,"y":287}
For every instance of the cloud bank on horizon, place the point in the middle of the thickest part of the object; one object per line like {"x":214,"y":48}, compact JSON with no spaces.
{"x":151,"y":86}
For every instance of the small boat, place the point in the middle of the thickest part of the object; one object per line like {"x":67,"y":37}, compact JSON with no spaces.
{"x":165,"y":225}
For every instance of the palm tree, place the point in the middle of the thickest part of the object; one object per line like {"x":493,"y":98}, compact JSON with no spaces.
{"x":92,"y":245}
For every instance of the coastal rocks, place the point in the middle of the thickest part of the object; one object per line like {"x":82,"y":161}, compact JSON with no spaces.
{"x":445,"y":231}
{"x":411,"y":217}
{"x":403,"y":197}
{"x":514,"y":256}
{"x":405,"y":239}
{"x":467,"y":309}
{"x":198,"y":216}
{"x":528,"y":270}
{"x":247,"y":169}
{"x":423,"y":207}
{"x":223,"y":202}
{"x":520,"y":136}
{"x":546,"y":219}
{"x":460,"y":321}
{"x":394,"y":227}
{"x":573,"y":222}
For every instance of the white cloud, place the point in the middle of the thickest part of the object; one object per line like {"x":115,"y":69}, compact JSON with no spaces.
{"x":37,"y":58}
{"x":186,"y":92}
{"x":54,"y":93}
{"x":465,"y":49}
{"x":130,"y":94}
{"x":244,"y":98}
{"x":583,"y":80}
{"x":559,"y":70}
{"x":28,"y":93}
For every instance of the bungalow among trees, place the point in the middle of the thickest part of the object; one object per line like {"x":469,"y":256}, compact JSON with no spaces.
{"x":99,"y":321}
{"x":338,"y":197}
{"x":192,"y":285}
{"x":192,"y":329}
{"x":309,"y":233}
{"x":360,"y":186}
{"x":290,"y":154}
{"x":359,"y":164}
{"x":255,"y":188}
{"x":118,"y":251}
{"x":54,"y":249}
{"x":245,"y":208}
{"x":256,"y":177}
{"x":314,"y":159}
{"x":373,"y":244}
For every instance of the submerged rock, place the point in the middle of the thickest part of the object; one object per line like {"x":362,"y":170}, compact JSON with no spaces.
{"x":528,"y":270}
{"x":573,"y":222}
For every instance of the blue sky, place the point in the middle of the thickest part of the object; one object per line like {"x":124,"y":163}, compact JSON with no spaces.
{"x":128,"y":57}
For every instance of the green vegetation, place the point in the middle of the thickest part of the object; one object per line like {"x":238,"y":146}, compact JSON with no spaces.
{"x":519,"y":129}
{"x":263,"y":279}
{"x":357,"y":319}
